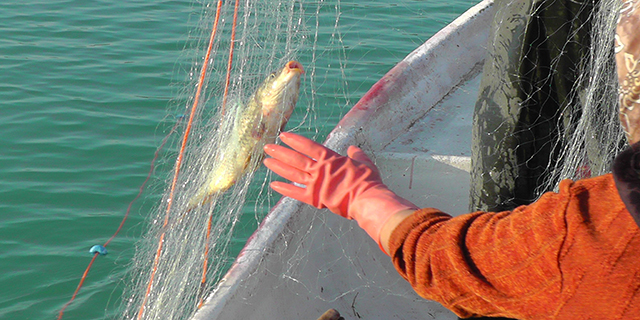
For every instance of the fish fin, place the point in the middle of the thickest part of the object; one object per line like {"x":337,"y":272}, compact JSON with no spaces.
{"x":206,"y":193}
{"x":233,"y":112}
{"x":253,"y":161}
{"x":234,"y":105}
{"x":203,"y":197}
{"x":258,"y":133}
{"x":199,"y":199}
{"x":284,"y":124}
{"x":247,"y":163}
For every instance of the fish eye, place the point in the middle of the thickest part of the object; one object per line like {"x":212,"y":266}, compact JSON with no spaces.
{"x":272,"y":75}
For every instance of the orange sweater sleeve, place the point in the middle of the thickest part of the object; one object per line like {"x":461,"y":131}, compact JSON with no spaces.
{"x":574,"y":254}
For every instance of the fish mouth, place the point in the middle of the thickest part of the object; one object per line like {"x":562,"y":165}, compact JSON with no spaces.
{"x":281,"y":93}
{"x":289,"y":77}
{"x":294,"y":66}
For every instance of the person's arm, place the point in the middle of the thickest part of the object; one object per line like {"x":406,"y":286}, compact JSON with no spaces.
{"x":503,"y":264}
{"x":569,"y":255}
{"x":455,"y":261}
{"x":521,"y":264}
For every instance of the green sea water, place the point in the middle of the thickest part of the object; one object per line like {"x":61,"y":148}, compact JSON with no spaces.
{"x":85,"y":101}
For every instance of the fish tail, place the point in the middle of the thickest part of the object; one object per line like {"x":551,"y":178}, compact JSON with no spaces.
{"x":201,"y":198}
{"x":213,"y":188}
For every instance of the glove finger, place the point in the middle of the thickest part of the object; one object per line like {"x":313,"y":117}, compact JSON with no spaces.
{"x":291,"y":157}
{"x":286,"y":171}
{"x":306,"y":146}
{"x":291,"y":191}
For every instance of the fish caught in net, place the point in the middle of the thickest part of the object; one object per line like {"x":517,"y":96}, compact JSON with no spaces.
{"x":546,"y":111}
{"x":252,"y":126}
{"x":241,"y":92}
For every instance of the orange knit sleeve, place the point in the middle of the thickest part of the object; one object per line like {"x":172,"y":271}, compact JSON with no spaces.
{"x":512,"y":264}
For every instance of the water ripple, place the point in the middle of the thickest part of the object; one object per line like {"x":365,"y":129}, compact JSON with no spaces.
{"x":84,"y":91}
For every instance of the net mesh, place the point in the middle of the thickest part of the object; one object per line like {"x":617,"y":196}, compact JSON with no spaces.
{"x":580,"y":137}
{"x":547,"y":106}
{"x":594,"y":135}
{"x":166,"y":276}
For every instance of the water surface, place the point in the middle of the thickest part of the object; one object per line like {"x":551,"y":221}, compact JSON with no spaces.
{"x":85,"y":100}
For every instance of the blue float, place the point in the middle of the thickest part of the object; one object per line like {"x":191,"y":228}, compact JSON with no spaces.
{"x":98,"y":249}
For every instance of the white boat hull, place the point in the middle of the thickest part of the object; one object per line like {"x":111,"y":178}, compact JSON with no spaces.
{"x":416,"y":121}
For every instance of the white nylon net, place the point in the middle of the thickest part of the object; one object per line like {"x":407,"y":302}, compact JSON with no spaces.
{"x":268,"y":35}
{"x":167,"y":271}
{"x":547,"y":110}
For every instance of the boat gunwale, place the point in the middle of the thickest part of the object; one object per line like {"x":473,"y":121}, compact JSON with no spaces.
{"x":347,"y":132}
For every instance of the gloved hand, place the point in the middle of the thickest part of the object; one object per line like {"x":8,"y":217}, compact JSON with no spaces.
{"x":348,"y":186}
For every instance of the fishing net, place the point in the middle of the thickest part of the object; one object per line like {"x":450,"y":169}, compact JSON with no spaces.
{"x":186,"y":249}
{"x":546,"y":111}
{"x":547,"y":107}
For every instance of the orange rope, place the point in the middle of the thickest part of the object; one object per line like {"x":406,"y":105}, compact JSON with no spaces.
{"x":124,"y":219}
{"x":181,"y":154}
{"x":84,"y":276}
{"x":224,"y":103}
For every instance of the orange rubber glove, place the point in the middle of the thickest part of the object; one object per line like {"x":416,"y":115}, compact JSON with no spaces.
{"x":348,"y":186}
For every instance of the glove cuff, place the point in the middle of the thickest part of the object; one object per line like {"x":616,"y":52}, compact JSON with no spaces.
{"x":374,"y":207}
